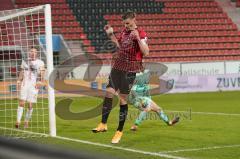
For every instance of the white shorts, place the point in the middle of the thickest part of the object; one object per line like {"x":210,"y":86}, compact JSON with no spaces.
{"x":28,"y":93}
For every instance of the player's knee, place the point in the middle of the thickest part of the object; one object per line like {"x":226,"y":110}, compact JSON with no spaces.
{"x":123,"y":102}
{"x":123,"y":99}
{"x":148,"y":109}
{"x":30,"y":107}
{"x":21,"y":103}
{"x":158,"y":109}
{"x":110,"y":92}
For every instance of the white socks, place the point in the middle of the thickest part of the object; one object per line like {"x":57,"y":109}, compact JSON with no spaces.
{"x":28,"y":114}
{"x":19,"y":114}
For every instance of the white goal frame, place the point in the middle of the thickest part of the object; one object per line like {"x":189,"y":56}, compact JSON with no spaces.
{"x":49,"y":56}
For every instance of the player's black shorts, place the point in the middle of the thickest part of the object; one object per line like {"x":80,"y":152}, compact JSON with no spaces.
{"x":121,"y":80}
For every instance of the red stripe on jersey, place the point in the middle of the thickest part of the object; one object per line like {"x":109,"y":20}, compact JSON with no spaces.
{"x":129,"y":57}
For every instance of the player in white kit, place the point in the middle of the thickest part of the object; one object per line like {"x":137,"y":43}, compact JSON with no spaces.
{"x":30,"y":79}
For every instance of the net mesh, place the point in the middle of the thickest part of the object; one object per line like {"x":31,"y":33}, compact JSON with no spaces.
{"x":21,"y":30}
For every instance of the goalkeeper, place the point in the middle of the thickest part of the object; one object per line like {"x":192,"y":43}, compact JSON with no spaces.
{"x":140,"y":98}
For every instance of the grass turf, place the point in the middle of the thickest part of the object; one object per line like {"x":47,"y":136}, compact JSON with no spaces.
{"x":194,"y":130}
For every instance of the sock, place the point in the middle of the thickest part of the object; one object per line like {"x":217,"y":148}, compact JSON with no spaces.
{"x":141,"y":117}
{"x":19,"y":114}
{"x":122,"y":116}
{"x":106,"y":109}
{"x":28,"y":114}
{"x":163,"y":116}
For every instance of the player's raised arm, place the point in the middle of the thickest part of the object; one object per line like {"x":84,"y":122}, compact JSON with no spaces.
{"x":143,"y":47}
{"x":142,"y":42}
{"x":110,"y":34}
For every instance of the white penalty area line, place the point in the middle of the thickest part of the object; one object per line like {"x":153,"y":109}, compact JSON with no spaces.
{"x":205,"y":113}
{"x":200,"y":149}
{"x":121,"y":148}
{"x":100,"y":145}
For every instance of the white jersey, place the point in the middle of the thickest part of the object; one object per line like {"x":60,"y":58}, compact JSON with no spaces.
{"x":31,"y":70}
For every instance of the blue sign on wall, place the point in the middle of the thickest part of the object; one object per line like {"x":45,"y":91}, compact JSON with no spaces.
{"x":56,"y":42}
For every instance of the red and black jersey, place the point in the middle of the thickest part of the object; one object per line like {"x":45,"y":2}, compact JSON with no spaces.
{"x":129,"y":57}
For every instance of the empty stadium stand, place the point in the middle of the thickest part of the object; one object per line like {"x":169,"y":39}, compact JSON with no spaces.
{"x":6,"y":35}
{"x":6,"y":5}
{"x":238,"y":3}
{"x":178,"y":30}
{"x":189,"y":30}
{"x":5,"y":39}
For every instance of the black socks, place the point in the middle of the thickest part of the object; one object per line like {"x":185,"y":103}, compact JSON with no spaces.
{"x":122,"y":116}
{"x":106,"y":109}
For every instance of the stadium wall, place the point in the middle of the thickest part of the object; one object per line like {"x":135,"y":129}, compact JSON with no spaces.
{"x":206,"y":68}
{"x":174,"y":69}
{"x":200,"y":83}
{"x":182,"y":77}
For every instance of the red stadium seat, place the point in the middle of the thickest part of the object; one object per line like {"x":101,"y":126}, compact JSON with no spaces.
{"x":188,"y":30}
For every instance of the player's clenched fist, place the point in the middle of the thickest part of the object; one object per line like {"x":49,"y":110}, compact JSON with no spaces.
{"x":108,"y":29}
{"x":135,"y":34}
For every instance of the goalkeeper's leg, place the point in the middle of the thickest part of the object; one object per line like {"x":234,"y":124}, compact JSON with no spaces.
{"x":142,"y":104}
{"x":139,"y":120}
{"x":154,"y":107}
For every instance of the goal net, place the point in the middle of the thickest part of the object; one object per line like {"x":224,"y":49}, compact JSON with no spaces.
{"x":20,"y":31}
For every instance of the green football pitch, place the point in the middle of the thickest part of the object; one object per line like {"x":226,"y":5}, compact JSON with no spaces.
{"x":209,"y":128}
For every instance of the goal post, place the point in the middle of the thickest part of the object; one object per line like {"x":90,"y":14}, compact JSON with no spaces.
{"x":49,"y":54}
{"x":20,"y":30}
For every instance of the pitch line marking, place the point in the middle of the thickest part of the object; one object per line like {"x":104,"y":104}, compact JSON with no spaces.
{"x":207,"y":113}
{"x":101,"y":145}
{"x":200,"y":149}
{"x":122,"y":148}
